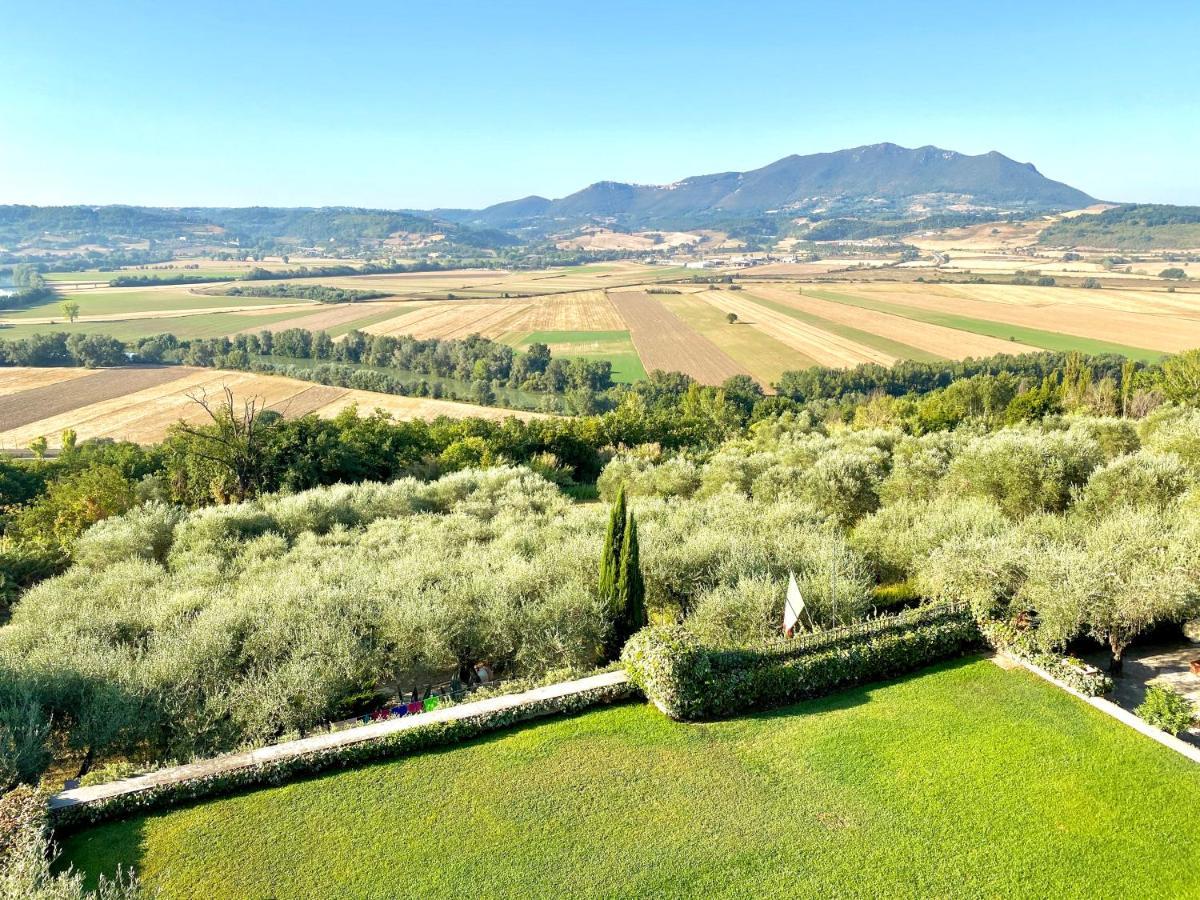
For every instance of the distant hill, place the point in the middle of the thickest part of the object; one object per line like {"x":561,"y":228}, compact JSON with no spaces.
{"x":881,"y":178}
{"x":1134,"y":227}
{"x":244,"y":226}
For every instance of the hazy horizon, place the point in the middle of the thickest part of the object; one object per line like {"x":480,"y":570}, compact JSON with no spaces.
{"x":300,"y":105}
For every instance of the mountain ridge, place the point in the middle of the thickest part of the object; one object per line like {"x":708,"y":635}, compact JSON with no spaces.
{"x":885,"y":176}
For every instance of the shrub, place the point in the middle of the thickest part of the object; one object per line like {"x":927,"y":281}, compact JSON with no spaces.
{"x":27,"y":857}
{"x":400,"y":743}
{"x":1167,"y":709}
{"x":1024,"y":645}
{"x":688,"y":680}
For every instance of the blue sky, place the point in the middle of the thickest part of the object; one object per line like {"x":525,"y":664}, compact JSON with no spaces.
{"x":467,"y":103}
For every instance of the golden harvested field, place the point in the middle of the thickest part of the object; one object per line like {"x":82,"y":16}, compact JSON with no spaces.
{"x":1154,"y":320}
{"x":14,"y":380}
{"x":827,"y":348}
{"x":663,"y":341}
{"x":333,"y":315}
{"x":121,"y":406}
{"x":580,"y":311}
{"x":948,"y":343}
{"x":453,"y":319}
{"x":764,"y":357}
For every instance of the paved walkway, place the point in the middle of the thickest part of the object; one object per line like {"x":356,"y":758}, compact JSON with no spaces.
{"x":1163,"y":664}
{"x":304,"y":746}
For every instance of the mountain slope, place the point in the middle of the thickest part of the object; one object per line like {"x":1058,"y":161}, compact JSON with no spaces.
{"x":884,"y":177}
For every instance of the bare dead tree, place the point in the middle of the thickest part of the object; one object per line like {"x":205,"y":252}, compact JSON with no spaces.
{"x":232,"y":443}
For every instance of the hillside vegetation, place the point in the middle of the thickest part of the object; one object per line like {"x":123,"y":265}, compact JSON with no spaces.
{"x":1135,"y":227}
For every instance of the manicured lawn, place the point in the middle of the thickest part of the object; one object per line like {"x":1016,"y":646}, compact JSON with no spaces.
{"x":963,"y":781}
{"x":1034,"y":337}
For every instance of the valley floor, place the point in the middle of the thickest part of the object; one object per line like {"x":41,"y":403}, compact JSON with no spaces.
{"x":962,"y":781}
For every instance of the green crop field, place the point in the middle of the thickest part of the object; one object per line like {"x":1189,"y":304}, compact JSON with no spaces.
{"x":1035,"y":337}
{"x":614,"y":346}
{"x":203,"y":325}
{"x":964,"y":780}
{"x":138,"y":300}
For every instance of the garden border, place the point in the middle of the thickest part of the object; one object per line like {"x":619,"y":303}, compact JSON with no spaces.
{"x":279,"y":763}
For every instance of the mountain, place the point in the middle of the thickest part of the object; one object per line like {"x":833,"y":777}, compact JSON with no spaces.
{"x":881,"y":178}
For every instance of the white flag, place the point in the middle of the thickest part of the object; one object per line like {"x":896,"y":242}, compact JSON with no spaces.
{"x":794,"y":607}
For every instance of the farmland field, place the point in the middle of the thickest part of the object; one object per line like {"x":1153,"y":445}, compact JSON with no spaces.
{"x":141,"y":403}
{"x":965,"y":780}
{"x":763,"y":356}
{"x":664,"y":341}
{"x":203,"y":325}
{"x":785,"y":320}
{"x":118,"y":301}
{"x":1076,"y":326}
{"x":614,"y":346}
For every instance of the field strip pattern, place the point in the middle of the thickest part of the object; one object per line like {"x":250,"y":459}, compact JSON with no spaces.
{"x":1002,"y":325}
{"x":826,"y":348}
{"x":875,"y":340}
{"x":16,"y":379}
{"x":158,"y":313}
{"x":935,"y":341}
{"x":664,"y":342}
{"x":766,"y":358}
{"x":576,"y":311}
{"x":335,"y":317}
{"x":57,"y":396}
{"x":145,"y":415}
{"x":449,"y":319}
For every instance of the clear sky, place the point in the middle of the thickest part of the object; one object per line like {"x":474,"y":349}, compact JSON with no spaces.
{"x":464,"y":103}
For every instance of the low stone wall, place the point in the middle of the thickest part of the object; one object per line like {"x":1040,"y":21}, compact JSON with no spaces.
{"x":378,"y":740}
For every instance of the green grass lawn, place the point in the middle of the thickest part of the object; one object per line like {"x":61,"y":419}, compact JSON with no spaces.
{"x":1035,"y":337}
{"x":203,"y":325}
{"x":139,"y":300}
{"x":963,"y":781}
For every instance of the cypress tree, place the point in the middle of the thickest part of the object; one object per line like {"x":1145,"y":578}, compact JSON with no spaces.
{"x":610,"y":558}
{"x":631,"y":589}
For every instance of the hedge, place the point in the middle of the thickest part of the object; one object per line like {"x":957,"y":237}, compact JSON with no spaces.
{"x":688,"y":681}
{"x":1024,"y":645}
{"x":435,"y":734}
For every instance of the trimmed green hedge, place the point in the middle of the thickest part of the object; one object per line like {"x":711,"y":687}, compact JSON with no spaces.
{"x":1023,"y":644}
{"x":435,"y":734}
{"x":687,"y":680}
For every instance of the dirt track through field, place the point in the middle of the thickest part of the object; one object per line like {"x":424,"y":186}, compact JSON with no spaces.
{"x":664,"y":342}
{"x":58,"y":396}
